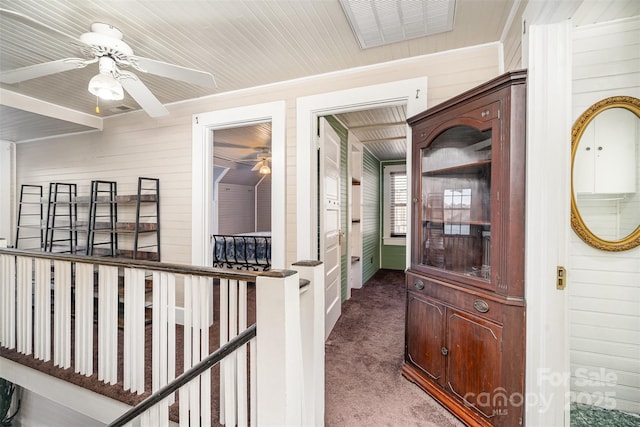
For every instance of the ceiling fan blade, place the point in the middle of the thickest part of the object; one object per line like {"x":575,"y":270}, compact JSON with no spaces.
{"x":176,"y":72}
{"x":44,"y":69}
{"x":16,"y":16}
{"x":217,"y":143}
{"x":142,"y":95}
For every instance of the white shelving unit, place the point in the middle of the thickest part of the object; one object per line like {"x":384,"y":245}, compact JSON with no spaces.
{"x":355,"y":236}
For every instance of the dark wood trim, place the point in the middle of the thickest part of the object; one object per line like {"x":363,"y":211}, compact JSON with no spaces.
{"x":147,"y":265}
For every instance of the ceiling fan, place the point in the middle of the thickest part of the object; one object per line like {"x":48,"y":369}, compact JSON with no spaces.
{"x":262,"y":165}
{"x":104,"y":45}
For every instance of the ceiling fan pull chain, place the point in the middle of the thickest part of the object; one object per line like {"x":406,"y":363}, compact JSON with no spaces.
{"x":97,"y":105}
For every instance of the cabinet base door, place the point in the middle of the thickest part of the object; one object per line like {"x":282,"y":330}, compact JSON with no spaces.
{"x":474,"y":360}
{"x":426,"y":336}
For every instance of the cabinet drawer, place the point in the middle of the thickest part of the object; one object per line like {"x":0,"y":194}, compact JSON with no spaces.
{"x":484,"y":113}
{"x":456,"y":297}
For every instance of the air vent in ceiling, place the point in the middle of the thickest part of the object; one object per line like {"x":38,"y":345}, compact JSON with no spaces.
{"x":380,"y":22}
{"x":121,"y":109}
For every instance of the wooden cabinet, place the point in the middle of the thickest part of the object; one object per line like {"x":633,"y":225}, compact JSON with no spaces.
{"x":465,"y":309}
{"x":605,"y":160}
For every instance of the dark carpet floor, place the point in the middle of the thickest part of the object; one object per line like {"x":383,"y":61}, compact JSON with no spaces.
{"x":364,"y":353}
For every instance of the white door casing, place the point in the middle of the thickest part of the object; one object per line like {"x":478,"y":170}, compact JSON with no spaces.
{"x":203,"y":126}
{"x":411,"y":92}
{"x":330,"y":235}
{"x":547,"y":222}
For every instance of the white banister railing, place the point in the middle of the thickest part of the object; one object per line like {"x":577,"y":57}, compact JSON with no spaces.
{"x":276,"y":378}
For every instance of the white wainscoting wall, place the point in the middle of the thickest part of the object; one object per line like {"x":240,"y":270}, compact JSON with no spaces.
{"x":604,"y":287}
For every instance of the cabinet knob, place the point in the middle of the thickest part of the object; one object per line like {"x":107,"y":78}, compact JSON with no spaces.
{"x":588,"y":148}
{"x":419,"y":284}
{"x":599,"y":148}
{"x":485,"y":113}
{"x":423,"y":134}
{"x":444,"y":351}
{"x":481,"y":306}
{"x":415,"y":200}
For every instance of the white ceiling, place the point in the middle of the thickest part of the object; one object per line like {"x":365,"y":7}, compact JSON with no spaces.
{"x":242,"y":43}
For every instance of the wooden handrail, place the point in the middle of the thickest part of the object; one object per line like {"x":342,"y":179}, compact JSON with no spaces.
{"x":206,"y":363}
{"x":248,"y":276}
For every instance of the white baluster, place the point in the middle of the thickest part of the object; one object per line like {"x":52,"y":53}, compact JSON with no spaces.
{"x":230,"y":365}
{"x":163,"y":413}
{"x":134,"y":306}
{"x":163,"y":330}
{"x":24,"y":305}
{"x":171,"y":340}
{"x":108,"y":324}
{"x":194,"y":386}
{"x":205,"y":377}
{"x":183,"y":414}
{"x":224,"y":338}
{"x":253,"y":362}
{"x":185,"y":403}
{"x":145,"y":419}
{"x":241,"y":356}
{"x":42,"y":310}
{"x":194,"y":414}
{"x":7,"y":301}
{"x":62,"y":314}
{"x":84,"y":319}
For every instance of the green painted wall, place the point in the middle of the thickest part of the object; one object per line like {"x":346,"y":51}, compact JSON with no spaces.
{"x":344,"y":202}
{"x":392,"y":257}
{"x":370,"y":215}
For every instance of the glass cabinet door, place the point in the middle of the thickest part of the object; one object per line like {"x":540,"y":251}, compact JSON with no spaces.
{"x":456,"y":202}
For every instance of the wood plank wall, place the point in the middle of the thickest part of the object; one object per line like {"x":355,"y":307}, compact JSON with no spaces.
{"x":236,"y":208}
{"x":512,"y":41}
{"x":604,"y":287}
{"x":371,"y":231}
{"x":133,"y":144}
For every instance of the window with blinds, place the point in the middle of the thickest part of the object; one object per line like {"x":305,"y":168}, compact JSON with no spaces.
{"x":398,"y":199}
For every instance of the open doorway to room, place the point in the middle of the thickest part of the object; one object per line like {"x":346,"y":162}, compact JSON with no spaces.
{"x":356,"y":151}
{"x":205,"y":126}
{"x":408,"y":94}
{"x":241,"y":212}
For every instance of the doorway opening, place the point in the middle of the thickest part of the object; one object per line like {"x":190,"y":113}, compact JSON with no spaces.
{"x":242,"y":119}
{"x":242,"y":165}
{"x":409,"y":94}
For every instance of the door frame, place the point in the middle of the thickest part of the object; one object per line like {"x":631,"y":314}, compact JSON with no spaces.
{"x":203,"y":127}
{"x":411,"y":92}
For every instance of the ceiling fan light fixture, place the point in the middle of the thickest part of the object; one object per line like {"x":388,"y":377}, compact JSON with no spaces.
{"x":105,"y":86}
{"x":265,"y":169}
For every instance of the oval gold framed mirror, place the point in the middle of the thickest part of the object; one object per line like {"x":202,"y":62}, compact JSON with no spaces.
{"x":605,"y":174}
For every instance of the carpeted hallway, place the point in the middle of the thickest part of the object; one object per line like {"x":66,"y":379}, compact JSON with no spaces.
{"x":364,"y":353}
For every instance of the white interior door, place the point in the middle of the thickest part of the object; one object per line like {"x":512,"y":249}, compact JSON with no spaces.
{"x":330,"y":233}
